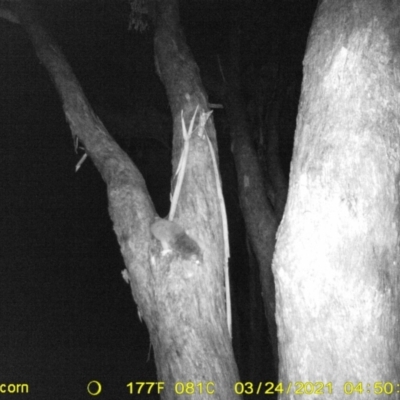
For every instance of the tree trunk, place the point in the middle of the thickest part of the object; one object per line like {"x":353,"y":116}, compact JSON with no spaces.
{"x":258,"y":214}
{"x":272,"y":150}
{"x":181,"y":300}
{"x":192,"y":343}
{"x":336,"y":262}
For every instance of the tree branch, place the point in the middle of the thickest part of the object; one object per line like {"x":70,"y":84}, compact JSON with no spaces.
{"x":130,"y":206}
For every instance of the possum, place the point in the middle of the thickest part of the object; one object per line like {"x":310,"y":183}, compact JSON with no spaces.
{"x":174,"y":238}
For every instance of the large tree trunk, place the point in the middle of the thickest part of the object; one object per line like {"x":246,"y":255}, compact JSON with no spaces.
{"x":336,"y":262}
{"x":193,"y":343}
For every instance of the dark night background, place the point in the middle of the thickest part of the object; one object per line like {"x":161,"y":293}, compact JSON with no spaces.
{"x":66,"y":315}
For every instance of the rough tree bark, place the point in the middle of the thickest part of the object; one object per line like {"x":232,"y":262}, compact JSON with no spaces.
{"x":194,"y":344}
{"x":181,"y":301}
{"x":336,"y":264}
